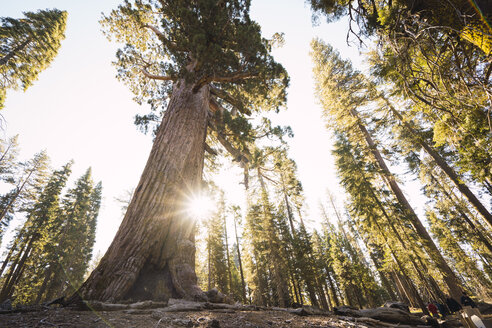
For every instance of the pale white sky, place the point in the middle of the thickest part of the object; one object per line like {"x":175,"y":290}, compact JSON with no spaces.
{"x":78,"y":110}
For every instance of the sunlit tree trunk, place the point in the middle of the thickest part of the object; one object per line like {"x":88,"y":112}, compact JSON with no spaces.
{"x":463,"y":188}
{"x":243,"y":284}
{"x":153,"y":253}
{"x":450,"y":278}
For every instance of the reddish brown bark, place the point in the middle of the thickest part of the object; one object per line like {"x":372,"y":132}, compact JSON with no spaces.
{"x":153,"y":253}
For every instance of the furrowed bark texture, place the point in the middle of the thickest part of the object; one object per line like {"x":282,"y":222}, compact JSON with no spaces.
{"x":153,"y":253}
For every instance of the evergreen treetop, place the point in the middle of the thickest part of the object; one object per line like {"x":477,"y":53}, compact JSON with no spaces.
{"x":27,"y":46}
{"x":206,"y":42}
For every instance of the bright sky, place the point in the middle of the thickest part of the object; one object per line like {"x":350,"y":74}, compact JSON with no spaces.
{"x":78,"y":110}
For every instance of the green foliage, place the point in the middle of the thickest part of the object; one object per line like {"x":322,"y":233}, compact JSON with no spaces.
{"x":210,"y":42}
{"x":38,"y":232}
{"x":27,"y":46}
{"x":26,"y":180}
{"x":435,"y":55}
{"x":51,"y":251}
{"x":216,"y":246}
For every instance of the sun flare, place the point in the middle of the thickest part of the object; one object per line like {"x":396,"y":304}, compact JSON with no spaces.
{"x":200,"y":206}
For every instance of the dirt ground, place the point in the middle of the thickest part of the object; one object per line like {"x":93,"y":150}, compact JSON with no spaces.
{"x":63,"y":317}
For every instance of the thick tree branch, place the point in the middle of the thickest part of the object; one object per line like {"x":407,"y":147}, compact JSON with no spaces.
{"x":155,"y":77}
{"x":155,"y":30}
{"x":230,"y":99}
{"x":215,"y":106}
{"x":210,"y":150}
{"x":170,"y":44}
{"x":243,"y":157}
{"x":233,"y":77}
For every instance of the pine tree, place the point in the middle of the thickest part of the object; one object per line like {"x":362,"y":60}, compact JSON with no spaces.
{"x":435,"y":55}
{"x":412,"y":136}
{"x":341,"y":91}
{"x":27,"y":46}
{"x":28,"y":178}
{"x":218,"y":275}
{"x":74,"y":240}
{"x":237,"y":256}
{"x":8,"y":163}
{"x":209,"y":58}
{"x":26,"y":265}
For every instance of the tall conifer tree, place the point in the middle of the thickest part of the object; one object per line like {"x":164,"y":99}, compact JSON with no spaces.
{"x":27,"y":46}
{"x":208,"y":62}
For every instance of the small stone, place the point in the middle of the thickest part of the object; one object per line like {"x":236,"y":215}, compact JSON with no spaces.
{"x":183,"y":322}
{"x":214,"y":323}
{"x":7,"y":305}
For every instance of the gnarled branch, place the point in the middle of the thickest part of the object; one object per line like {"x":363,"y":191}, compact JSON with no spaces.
{"x":171,"y":44}
{"x":243,"y":157}
{"x":230,"y":99}
{"x":215,"y":106}
{"x":155,"y":77}
{"x":233,"y":77}
{"x":210,"y":150}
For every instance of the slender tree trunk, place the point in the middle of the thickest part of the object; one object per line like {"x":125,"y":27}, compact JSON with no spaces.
{"x":287,"y":205}
{"x":47,"y":278}
{"x":332,"y":288}
{"x":9,"y":255}
{"x":15,"y":272}
{"x":327,"y":295}
{"x":483,"y":239}
{"x":243,"y":284}
{"x":399,"y":288}
{"x":446,"y":168}
{"x":450,"y":278}
{"x":4,"y":60}
{"x":409,"y":282}
{"x":299,"y":290}
{"x":292,"y":279}
{"x":6,"y":151}
{"x":14,"y":199}
{"x":209,"y":285}
{"x":227,"y":254}
{"x":153,"y":253}
{"x":321,"y":295}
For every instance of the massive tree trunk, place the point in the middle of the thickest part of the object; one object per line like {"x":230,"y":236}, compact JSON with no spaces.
{"x":153,"y":253}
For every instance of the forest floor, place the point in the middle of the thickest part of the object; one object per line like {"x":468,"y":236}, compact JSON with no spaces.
{"x":200,"y":317}
{"x":152,"y":319}
{"x":62,"y":317}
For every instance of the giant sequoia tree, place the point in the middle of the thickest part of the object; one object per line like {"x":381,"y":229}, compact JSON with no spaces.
{"x":207,"y":61}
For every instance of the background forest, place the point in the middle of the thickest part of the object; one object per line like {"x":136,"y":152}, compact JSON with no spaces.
{"x":369,"y":181}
